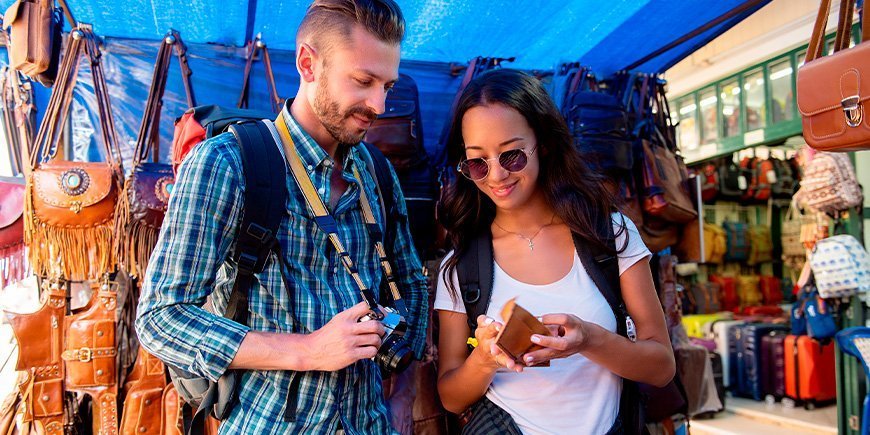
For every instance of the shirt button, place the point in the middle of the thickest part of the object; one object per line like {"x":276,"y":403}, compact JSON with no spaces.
{"x":335,"y":270}
{"x":310,"y":168}
{"x":321,"y":191}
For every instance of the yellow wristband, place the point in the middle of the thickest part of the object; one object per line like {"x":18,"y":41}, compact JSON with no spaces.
{"x":472,"y":341}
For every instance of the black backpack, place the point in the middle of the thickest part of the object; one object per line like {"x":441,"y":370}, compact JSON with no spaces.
{"x":730,"y":185}
{"x":599,"y":125}
{"x":398,"y":134}
{"x":785,"y":184}
{"x":474,"y":271}
{"x":266,"y":194}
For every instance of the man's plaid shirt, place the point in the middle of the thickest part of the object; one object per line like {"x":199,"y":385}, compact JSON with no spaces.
{"x":190,"y":263}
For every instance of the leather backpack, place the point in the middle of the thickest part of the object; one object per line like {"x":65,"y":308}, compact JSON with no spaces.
{"x":143,"y":201}
{"x":36,"y":38}
{"x":70,"y":205}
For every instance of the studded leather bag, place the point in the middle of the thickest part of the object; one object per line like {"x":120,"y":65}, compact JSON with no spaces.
{"x":40,"y":388}
{"x":70,"y":205}
{"x":89,"y":353}
{"x":143,"y":401}
{"x":146,"y":191}
{"x":832,"y":91}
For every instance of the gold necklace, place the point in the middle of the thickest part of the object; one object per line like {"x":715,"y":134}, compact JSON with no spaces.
{"x":528,"y":239}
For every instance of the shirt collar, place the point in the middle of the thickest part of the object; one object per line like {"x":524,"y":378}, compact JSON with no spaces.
{"x":311,"y":154}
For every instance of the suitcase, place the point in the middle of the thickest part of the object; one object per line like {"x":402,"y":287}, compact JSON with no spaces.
{"x":725,"y":346}
{"x":749,"y":358}
{"x":772,"y":365}
{"x":695,"y":323}
{"x":718,"y":375}
{"x":810,"y":377}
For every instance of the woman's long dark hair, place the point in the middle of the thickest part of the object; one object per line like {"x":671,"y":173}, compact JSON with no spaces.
{"x":576,"y":193}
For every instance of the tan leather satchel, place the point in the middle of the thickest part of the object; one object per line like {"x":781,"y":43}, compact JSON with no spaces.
{"x":70,"y":205}
{"x":143,"y":401}
{"x":31,"y":22}
{"x":40,"y":387}
{"x":90,"y":354}
{"x":833,"y":90}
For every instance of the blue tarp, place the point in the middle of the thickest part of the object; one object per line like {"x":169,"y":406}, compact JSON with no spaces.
{"x":607,"y":36}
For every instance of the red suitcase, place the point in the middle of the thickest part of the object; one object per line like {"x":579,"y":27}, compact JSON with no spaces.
{"x":809,"y":371}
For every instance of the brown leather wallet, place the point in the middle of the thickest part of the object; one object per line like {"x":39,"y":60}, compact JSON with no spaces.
{"x":515,"y":337}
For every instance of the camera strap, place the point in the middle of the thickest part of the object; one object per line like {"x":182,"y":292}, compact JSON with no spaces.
{"x":327,"y":223}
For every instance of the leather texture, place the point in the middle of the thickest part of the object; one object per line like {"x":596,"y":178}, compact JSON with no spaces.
{"x":667,"y":194}
{"x":11,"y":211}
{"x":144,"y":399}
{"x":171,"y":416}
{"x":515,"y":336}
{"x":39,"y":336}
{"x":94,"y":206}
{"x":151,"y":185}
{"x":30,"y":49}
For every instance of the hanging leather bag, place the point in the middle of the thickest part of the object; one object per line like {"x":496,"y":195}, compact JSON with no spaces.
{"x":70,"y":205}
{"x":833,"y":90}
{"x":146,"y":191}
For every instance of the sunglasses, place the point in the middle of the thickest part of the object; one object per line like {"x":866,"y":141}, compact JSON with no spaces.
{"x":477,"y":169}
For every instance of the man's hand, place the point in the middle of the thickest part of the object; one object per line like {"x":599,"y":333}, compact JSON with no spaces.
{"x":343,"y":341}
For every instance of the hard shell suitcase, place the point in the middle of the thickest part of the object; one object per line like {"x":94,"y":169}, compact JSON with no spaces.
{"x":723,"y":331}
{"x":810,"y":377}
{"x":749,"y":358}
{"x":772,"y":365}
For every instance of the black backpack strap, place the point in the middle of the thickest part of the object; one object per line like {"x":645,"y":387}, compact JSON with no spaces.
{"x":265,"y":201}
{"x":474,"y":271}
{"x":603,"y":268}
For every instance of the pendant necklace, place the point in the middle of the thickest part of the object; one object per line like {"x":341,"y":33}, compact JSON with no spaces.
{"x":531,"y":240}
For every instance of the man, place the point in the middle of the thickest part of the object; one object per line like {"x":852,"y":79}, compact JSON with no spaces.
{"x":347,"y":55}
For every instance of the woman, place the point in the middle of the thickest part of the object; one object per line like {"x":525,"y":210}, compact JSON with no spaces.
{"x":523,"y":181}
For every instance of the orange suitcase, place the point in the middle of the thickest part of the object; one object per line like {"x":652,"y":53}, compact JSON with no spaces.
{"x":810,"y":378}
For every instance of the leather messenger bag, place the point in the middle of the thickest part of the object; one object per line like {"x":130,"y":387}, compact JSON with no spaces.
{"x":833,"y":90}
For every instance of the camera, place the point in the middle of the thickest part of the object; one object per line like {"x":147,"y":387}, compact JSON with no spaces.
{"x":394,"y":355}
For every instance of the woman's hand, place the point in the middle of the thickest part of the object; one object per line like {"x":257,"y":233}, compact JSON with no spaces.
{"x":570,"y":335}
{"x":486,"y":332}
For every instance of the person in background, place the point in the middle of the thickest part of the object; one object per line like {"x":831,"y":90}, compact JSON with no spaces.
{"x":524,"y":182}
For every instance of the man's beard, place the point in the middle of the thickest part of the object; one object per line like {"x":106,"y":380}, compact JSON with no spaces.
{"x":331,"y":117}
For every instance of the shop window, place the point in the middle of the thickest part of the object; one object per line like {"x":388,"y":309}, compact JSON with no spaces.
{"x":801,"y":58}
{"x":753,"y":87}
{"x":687,"y":129}
{"x":781,"y":76}
{"x":709,"y":126}
{"x":730,"y":96}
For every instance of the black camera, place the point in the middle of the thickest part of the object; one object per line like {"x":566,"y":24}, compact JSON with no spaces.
{"x":395,"y":354}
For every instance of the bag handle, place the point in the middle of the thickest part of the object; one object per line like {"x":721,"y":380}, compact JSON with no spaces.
{"x":254,"y":47}
{"x":844,"y":28}
{"x":149,"y":131}
{"x":81,"y":40}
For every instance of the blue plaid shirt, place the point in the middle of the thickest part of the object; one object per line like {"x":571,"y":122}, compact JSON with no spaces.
{"x":190,"y":263}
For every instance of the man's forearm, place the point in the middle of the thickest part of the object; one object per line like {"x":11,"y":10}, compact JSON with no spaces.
{"x":272,"y":351}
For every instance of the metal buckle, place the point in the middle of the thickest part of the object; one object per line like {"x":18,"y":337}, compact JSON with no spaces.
{"x":853,"y":110}
{"x":84,"y":354}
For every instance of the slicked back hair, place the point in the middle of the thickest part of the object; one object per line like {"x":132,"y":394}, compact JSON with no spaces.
{"x":329,"y":21}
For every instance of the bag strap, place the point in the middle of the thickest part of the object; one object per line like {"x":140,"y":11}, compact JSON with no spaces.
{"x":81,"y":40}
{"x":474,"y":271}
{"x":149,"y":131}
{"x":844,"y":28}
{"x":254,"y":47}
{"x":327,"y":223}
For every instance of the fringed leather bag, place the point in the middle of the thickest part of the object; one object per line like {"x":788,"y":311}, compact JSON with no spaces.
{"x":70,"y":205}
{"x":12,"y":264}
{"x":146,"y":191}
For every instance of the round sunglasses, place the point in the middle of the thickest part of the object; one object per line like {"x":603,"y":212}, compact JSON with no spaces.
{"x":477,"y":169}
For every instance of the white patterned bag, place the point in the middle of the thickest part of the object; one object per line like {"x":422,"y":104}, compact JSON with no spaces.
{"x":841,"y":267}
{"x":829,"y":183}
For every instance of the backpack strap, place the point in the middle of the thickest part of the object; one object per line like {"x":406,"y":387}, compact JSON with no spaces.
{"x":264,"y":203}
{"x":475,"y":272}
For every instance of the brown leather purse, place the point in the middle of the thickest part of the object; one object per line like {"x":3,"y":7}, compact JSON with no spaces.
{"x":146,"y":191}
{"x":12,"y":264}
{"x":70,"y":205}
{"x":833,"y":90}
{"x":90,"y":355}
{"x":144,"y":396}
{"x":40,"y":387}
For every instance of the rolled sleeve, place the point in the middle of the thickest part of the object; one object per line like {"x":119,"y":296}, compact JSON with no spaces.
{"x":195,"y":241}
{"x":409,"y":274}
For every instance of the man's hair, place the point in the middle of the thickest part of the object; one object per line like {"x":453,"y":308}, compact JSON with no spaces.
{"x":327,"y":19}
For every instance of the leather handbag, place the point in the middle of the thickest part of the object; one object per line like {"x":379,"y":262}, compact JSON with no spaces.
{"x":12,"y":264}
{"x":143,"y":396}
{"x":143,"y":202}
{"x":70,"y":205}
{"x":665,"y":182}
{"x":90,"y":354}
{"x":832,"y":90}
{"x":40,"y":340}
